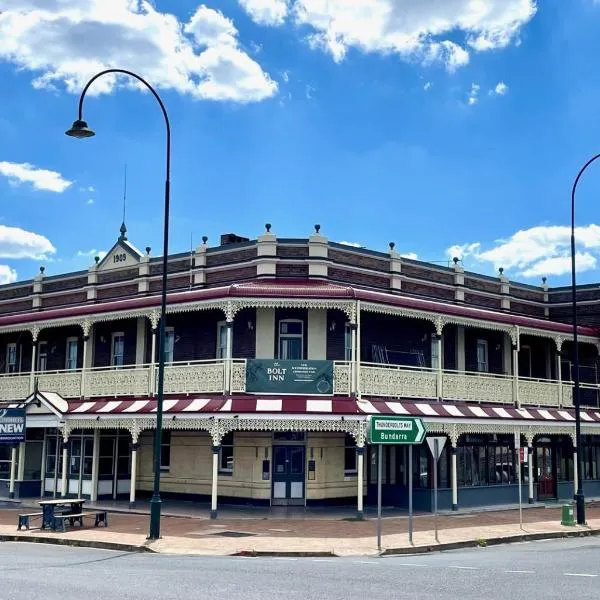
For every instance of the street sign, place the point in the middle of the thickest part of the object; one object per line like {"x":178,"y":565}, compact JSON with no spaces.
{"x":436,"y":449}
{"x":396,"y":430}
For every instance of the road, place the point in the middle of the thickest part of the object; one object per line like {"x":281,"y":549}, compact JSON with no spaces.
{"x":549,"y":569}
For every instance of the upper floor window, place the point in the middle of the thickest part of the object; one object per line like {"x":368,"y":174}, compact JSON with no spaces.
{"x":11,"y":358}
{"x":291,"y":339}
{"x":117,"y":352}
{"x":42,"y":359}
{"x":169,"y":344}
{"x":71,"y":354}
{"x":222,"y":339}
{"x":482,"y":356}
{"x":348,"y":342}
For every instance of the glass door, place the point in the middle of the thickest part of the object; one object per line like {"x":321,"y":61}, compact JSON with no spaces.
{"x":545,"y":472}
{"x":288,"y":475}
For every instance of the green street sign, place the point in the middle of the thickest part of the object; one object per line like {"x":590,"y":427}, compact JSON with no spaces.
{"x":396,"y":430}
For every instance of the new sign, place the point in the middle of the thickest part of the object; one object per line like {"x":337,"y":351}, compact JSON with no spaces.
{"x":289,"y":377}
{"x":12,"y":425}
{"x":396,"y":430}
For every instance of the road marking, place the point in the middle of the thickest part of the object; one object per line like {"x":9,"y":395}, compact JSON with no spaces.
{"x":465,"y":568}
{"x":366,"y":562}
{"x":580,"y":575}
{"x":284,"y":558}
{"x":322,"y":560}
{"x":528,"y":572}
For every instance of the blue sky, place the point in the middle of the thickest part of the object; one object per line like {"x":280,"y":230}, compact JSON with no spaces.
{"x":448,"y":129}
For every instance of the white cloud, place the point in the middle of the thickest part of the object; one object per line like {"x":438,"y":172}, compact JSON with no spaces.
{"x":541,"y":250}
{"x":20,"y":243}
{"x":64,"y":42}
{"x":413,"y":29}
{"x":266,"y":12}
{"x":90,"y":201}
{"x":40,"y":179}
{"x":352,"y":244}
{"x":91,"y":253}
{"x":473,"y":94}
{"x":501,"y":89}
{"x":411,"y":255}
{"x":309,"y":90}
{"x":285,"y":76}
{"x":7,"y":275}
{"x":428,"y":86}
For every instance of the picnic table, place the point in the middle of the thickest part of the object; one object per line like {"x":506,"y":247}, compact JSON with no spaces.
{"x":56,"y":514}
{"x":63,"y":506}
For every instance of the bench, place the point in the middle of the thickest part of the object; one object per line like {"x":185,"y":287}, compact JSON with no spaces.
{"x":24,"y":519}
{"x":100,"y":517}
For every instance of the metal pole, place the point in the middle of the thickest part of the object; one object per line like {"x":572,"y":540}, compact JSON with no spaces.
{"x":379,"y":478}
{"x":435,"y":486}
{"x":155,"y":502}
{"x":410,"y":494}
{"x":518,"y":453}
{"x":579,"y":495}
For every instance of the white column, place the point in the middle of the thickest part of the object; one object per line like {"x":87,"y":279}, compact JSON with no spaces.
{"x":559,"y":377}
{"x":358,"y":356}
{"x":86,"y":339}
{"x":228,"y":356}
{"x":95,"y":465}
{"x":530,"y":471}
{"x":134,"y":448}
{"x":21,"y":462}
{"x":13,"y":472}
{"x":33,"y":366}
{"x":65,"y":467}
{"x":454,"y":476}
{"x":507,"y":358}
{"x":354,"y":364}
{"x":153,"y":363}
{"x":360,"y":452}
{"x":215,"y":481}
{"x":440,"y":391}
{"x":516,"y":375}
{"x":43,"y":466}
{"x":575,"y":471}
{"x":460,"y":348}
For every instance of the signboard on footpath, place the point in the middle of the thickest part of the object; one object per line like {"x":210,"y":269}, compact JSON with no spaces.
{"x":12,"y":425}
{"x":310,"y":377}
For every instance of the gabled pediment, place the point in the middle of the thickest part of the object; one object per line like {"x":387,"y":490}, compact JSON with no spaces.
{"x":122,"y":254}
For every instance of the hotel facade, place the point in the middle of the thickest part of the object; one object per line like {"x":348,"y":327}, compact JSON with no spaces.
{"x":277,"y":351}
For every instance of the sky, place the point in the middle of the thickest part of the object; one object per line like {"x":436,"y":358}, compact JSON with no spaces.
{"x":450,"y":127}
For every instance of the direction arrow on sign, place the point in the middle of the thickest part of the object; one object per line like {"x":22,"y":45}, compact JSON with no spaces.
{"x":441,"y":441}
{"x":396,"y":430}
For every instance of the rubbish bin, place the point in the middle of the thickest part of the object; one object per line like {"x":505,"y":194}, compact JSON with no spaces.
{"x":567,"y":515}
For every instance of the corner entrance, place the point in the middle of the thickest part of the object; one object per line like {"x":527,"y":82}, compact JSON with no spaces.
{"x":288,"y":475}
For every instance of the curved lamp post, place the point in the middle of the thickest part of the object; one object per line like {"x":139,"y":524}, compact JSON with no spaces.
{"x":579,"y":496}
{"x":80,"y":129}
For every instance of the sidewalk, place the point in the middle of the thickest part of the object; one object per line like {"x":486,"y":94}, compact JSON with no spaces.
{"x":308,"y":536}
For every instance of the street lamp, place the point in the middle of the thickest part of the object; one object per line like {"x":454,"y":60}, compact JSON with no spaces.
{"x":579,"y":496}
{"x":80,"y":130}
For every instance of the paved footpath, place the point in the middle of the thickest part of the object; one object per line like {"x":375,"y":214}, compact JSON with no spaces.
{"x":342,"y":537}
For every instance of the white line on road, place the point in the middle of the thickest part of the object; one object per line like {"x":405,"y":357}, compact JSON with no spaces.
{"x":465,"y":568}
{"x":322,"y":559}
{"x":410,"y":565}
{"x":580,"y":575}
{"x":528,"y":572}
{"x":366,"y":562}
{"x":284,"y":558}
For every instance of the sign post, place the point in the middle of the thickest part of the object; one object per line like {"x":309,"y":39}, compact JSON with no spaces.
{"x":391,"y":430}
{"x":436,"y":445}
{"x":518,"y":457}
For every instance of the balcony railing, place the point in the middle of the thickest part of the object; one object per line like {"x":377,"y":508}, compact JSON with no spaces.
{"x":375,"y":380}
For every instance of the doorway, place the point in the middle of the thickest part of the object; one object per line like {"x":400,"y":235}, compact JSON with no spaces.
{"x":288,"y":475}
{"x":546,"y":472}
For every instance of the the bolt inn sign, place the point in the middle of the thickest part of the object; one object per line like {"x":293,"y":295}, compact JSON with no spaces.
{"x":289,"y":377}
{"x":12,"y":425}
{"x":396,"y":430}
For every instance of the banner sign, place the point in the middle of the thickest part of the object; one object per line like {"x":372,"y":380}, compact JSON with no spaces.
{"x":12,"y":425}
{"x":289,"y":377}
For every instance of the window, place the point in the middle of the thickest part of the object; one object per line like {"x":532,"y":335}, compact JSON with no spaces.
{"x":71,"y":360}
{"x":5,"y":453}
{"x":165,"y":451}
{"x":123,"y":457}
{"x":482,"y":356}
{"x":11,"y":358}
{"x":88,"y":455}
{"x":169,"y":344}
{"x":486,"y":461}
{"x":291,"y":339}
{"x":42,"y":359}
{"x":222,"y":339}
{"x":348,"y":342}
{"x":226,"y":454}
{"x":75,"y":458}
{"x":53,"y":456}
{"x":117,"y":350}
{"x":435,"y":357}
{"x":350,"y":463}
{"x":106,"y":457}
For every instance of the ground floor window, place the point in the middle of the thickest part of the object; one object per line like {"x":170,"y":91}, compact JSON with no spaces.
{"x":590,"y":456}
{"x":486,"y":460}
{"x":5,"y":452}
{"x":53,"y":455}
{"x":165,"y":450}
{"x":226,"y":454}
{"x":350,"y":463}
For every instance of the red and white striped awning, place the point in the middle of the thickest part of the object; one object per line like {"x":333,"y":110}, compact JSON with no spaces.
{"x":302,"y":405}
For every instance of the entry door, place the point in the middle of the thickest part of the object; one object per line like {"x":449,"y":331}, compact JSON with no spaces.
{"x":288,"y":475}
{"x":545,"y":469}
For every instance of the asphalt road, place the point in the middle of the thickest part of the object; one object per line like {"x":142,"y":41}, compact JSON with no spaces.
{"x":549,"y":569}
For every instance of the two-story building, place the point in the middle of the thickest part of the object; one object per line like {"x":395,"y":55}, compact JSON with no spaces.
{"x":277,"y":351}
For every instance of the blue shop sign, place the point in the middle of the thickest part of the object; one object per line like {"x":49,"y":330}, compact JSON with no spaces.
{"x":12,"y":425}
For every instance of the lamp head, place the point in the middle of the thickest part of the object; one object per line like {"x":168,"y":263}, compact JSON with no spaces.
{"x":80,"y":130}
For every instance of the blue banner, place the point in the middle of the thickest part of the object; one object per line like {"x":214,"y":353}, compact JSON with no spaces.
{"x":12,"y":425}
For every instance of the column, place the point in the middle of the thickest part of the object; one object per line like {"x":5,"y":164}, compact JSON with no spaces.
{"x":575,"y":471}
{"x":438,"y":343}
{"x":460,"y":348}
{"x":134,"y":447}
{"x":65,"y":466}
{"x":43,"y":466}
{"x":21,"y":462}
{"x":215,"y":481}
{"x":228,"y":356}
{"x":507,"y":359}
{"x":454,"y":476}
{"x":153,"y":360}
{"x":95,"y":465}
{"x":358,"y":351}
{"x":515,"y":349}
{"x":33,"y":365}
{"x":355,"y":362}
{"x":86,"y":339}
{"x":530,"y":471}
{"x":360,"y":462}
{"x":13,"y":471}
{"x":559,"y":376}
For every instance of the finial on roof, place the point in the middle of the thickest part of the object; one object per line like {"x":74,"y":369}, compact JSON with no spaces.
{"x":455,"y":260}
{"x":148,"y":250}
{"x":268,"y":227}
{"x":204,"y":239}
{"x":96,"y":259}
{"x":501,"y":270}
{"x":392,"y":245}
{"x":42,"y":269}
{"x":317,"y":228}
{"x":544,"y":279}
{"x":123,"y":231}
